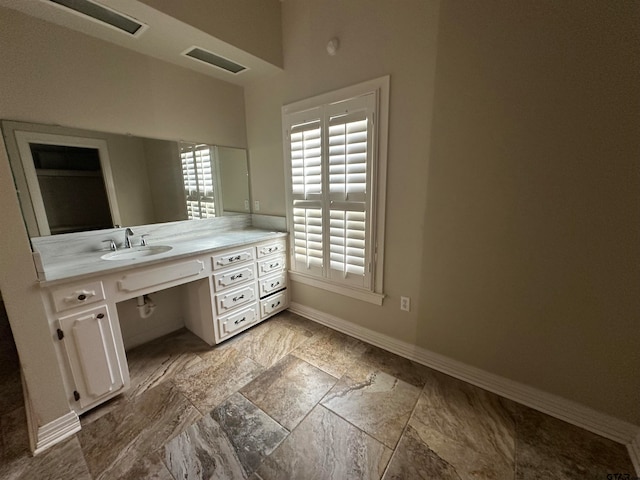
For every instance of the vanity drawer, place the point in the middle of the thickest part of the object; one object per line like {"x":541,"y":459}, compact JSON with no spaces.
{"x":232,"y":258}
{"x":273,"y":304}
{"x":272,"y":264}
{"x":269,"y":285}
{"x":267,"y":249}
{"x":225,"y":301}
{"x":65,"y":298}
{"x":228,"y":278}
{"x":238,"y":320}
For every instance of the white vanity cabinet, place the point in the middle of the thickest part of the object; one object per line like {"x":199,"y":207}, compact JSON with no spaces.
{"x":90,"y":344}
{"x":241,"y":279}
{"x":226,"y":291}
{"x":272,"y":277}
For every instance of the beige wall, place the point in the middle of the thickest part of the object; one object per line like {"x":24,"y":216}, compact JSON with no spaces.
{"x":376,"y":38}
{"x":512,"y":202}
{"x":165,"y":180}
{"x":251,"y":25}
{"x":56,"y":76}
{"x":531,"y":254}
{"x":234,"y":177}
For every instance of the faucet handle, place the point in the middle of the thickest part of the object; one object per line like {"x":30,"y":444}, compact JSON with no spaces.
{"x":112,"y":245}
{"x":143,"y":240}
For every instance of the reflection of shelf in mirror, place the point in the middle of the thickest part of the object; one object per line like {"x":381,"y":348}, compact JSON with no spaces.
{"x":76,"y":228}
{"x":66,"y":173}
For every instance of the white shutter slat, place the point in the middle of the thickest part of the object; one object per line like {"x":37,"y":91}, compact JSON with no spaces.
{"x":197,"y":173}
{"x":306,"y":158}
{"x":347,"y":247}
{"x":307,"y":233}
{"x":347,"y":166}
{"x":348,"y":154}
{"x":306,"y":182}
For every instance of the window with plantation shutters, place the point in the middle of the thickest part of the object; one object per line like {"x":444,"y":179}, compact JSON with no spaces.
{"x":197,"y":173}
{"x":331,"y":151}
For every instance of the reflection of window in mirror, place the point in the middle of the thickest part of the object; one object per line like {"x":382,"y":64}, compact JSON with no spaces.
{"x":199,"y":175}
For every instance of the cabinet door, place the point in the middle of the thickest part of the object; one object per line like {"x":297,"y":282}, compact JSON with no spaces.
{"x":91,"y":348}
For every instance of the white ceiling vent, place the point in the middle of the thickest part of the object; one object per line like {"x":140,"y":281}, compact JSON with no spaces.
{"x":213,"y":59}
{"x":103,"y":15}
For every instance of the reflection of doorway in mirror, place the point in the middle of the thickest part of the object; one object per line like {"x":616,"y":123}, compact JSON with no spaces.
{"x":69,"y":182}
{"x":72,"y":187}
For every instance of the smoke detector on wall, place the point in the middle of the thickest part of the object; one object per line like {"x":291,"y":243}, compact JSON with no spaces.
{"x":333,"y":45}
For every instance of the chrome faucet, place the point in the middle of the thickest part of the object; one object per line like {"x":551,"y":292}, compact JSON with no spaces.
{"x":127,"y":241}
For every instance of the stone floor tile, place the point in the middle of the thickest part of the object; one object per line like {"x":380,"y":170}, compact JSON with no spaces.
{"x":551,"y":448}
{"x":229,"y":443}
{"x":331,"y":351}
{"x":210,"y":382}
{"x":324,"y":446}
{"x":380,"y":405}
{"x":289,"y":390}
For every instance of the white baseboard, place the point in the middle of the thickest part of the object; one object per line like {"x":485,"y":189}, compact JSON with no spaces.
{"x":56,"y":431}
{"x":45,"y":436}
{"x":160,"y":330}
{"x":567,"y":410}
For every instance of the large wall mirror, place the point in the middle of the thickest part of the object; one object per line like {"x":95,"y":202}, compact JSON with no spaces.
{"x":73,"y":180}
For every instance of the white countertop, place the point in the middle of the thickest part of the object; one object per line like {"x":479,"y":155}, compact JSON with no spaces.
{"x":81,"y":265}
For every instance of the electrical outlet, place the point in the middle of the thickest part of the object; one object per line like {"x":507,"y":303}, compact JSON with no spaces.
{"x":246,"y":205}
{"x":256,"y":205}
{"x":405,"y":304}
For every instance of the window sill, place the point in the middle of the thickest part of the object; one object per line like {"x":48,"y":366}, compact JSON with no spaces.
{"x":366,"y":296}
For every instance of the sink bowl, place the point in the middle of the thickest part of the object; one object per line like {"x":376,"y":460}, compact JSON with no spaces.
{"x":136,"y":252}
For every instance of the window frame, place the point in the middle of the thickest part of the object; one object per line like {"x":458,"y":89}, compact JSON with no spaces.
{"x":293,"y":113}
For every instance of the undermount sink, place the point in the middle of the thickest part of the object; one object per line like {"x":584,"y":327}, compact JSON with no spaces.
{"x":136,"y":252}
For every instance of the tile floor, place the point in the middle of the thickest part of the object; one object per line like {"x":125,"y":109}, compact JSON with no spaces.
{"x":291,"y":399}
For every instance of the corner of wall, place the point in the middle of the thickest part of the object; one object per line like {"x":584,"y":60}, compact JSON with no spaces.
{"x":42,"y":437}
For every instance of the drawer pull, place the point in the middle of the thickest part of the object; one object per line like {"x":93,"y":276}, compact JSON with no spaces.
{"x":235,"y":277}
{"x":273,"y":265}
{"x":275,"y":284}
{"x":235,"y":299}
{"x":80,"y":296}
{"x":274,"y":305}
{"x":240,"y":321}
{"x":234,"y":259}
